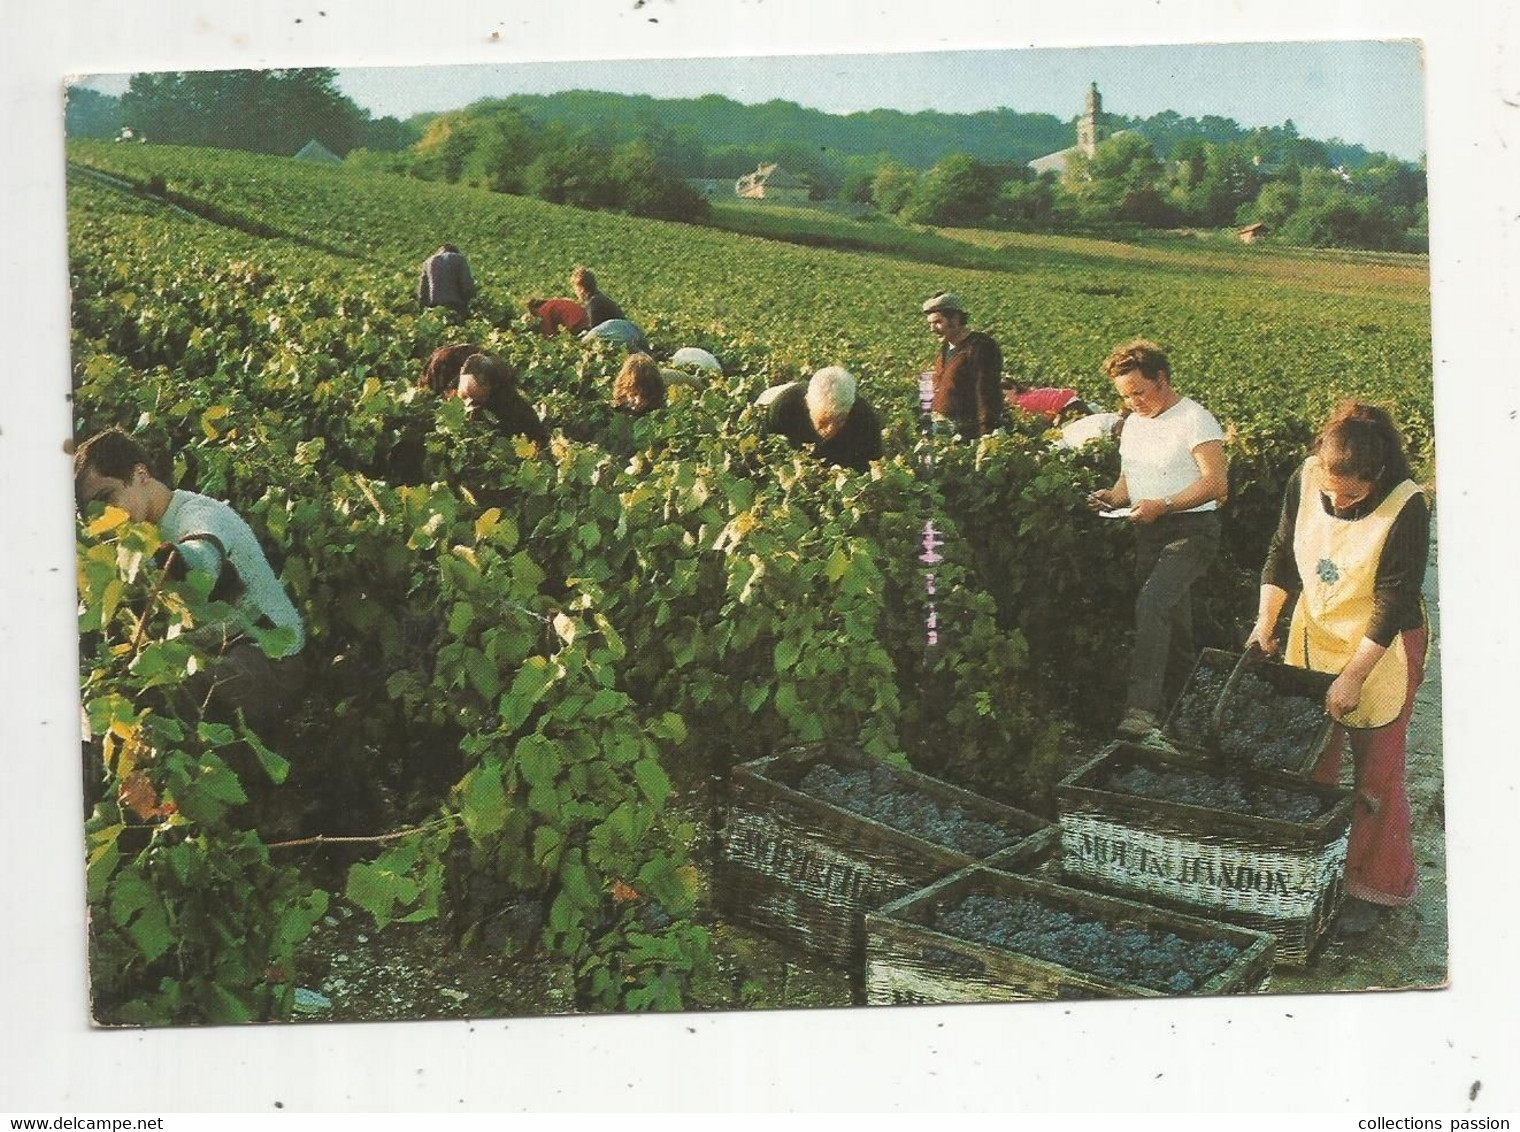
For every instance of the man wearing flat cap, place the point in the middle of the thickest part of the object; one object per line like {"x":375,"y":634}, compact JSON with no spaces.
{"x":968,"y":390}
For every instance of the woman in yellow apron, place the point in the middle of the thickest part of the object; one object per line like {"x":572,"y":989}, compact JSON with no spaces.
{"x":1352,"y":543}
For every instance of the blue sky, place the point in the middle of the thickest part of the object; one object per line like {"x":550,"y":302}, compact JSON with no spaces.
{"x":1366,"y":92}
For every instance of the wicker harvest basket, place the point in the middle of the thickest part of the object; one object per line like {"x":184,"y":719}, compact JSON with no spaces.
{"x":909,"y":959}
{"x":804,"y":871}
{"x":1275,"y":875}
{"x":1037,"y":856}
{"x":1187,"y":728}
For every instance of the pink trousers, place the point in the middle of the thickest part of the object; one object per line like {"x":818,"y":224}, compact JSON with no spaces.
{"x":1380,"y":858}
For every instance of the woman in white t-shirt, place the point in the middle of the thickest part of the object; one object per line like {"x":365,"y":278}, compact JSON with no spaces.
{"x":1172,"y":478}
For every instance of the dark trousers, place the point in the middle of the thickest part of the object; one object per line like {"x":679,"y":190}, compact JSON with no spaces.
{"x":1170,"y":555}
{"x":268,"y":691}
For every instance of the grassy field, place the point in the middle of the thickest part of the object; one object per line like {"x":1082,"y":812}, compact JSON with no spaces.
{"x":1400,"y":277}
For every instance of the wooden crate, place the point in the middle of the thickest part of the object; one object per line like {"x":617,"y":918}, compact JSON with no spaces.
{"x":1285,"y":678}
{"x":909,"y":961}
{"x":1277,"y":876}
{"x":804,"y":871}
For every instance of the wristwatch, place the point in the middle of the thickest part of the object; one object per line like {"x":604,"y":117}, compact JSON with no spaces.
{"x":1166,"y":501}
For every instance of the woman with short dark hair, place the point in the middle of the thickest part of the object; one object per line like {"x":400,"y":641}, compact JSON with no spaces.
{"x":1351,"y":543}
{"x":486,"y":382}
{"x":1172,"y":477}
{"x":441,"y":374}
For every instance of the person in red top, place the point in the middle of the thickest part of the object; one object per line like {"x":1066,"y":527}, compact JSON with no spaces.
{"x":1056,"y":405}
{"x":968,"y":391}
{"x":552,"y":314}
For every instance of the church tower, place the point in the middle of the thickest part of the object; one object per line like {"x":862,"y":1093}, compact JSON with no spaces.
{"x":1090,"y":126}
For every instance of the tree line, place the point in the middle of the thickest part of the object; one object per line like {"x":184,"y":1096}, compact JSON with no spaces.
{"x":497,"y":147}
{"x":279,"y":111}
{"x":276,"y":111}
{"x":600,"y":150}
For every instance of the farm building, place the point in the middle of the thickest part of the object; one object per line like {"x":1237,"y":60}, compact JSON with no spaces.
{"x":1251,"y":233}
{"x":771,"y":182}
{"x":316,"y":151}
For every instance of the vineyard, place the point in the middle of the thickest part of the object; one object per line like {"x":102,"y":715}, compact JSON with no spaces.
{"x":530,"y":672}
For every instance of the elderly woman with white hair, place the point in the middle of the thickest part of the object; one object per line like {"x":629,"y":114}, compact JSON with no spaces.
{"x":826,"y":414}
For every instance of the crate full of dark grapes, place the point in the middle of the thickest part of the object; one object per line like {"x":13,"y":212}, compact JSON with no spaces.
{"x":1274,"y":717}
{"x":982,"y":935}
{"x":1259,"y":848}
{"x":816,"y":835}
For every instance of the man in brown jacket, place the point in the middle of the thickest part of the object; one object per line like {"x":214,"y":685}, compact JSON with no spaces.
{"x":968,"y":390}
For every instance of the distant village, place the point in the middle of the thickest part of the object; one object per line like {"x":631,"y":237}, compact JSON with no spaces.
{"x":771,"y":183}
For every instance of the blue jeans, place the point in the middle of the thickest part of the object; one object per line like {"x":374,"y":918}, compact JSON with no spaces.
{"x":1170,"y":555}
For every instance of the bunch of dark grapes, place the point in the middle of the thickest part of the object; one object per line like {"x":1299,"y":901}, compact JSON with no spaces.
{"x":1229,"y":792}
{"x":1195,"y":711}
{"x":1267,"y":728}
{"x":1148,"y":957}
{"x":877,"y":794}
{"x":1262,"y":726}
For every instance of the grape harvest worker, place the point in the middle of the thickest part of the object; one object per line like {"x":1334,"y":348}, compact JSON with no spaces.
{"x":690,"y":367}
{"x":621,"y":331}
{"x":696,"y":360}
{"x":1094,"y":426}
{"x":1057,"y":405}
{"x":488,"y":384}
{"x":446,"y":281}
{"x":1351,"y":544}
{"x":552,"y":314}
{"x":206,"y":536}
{"x":639,"y":387}
{"x":599,"y":308}
{"x":1172,"y":476}
{"x":968,"y":390}
{"x":826,"y":413}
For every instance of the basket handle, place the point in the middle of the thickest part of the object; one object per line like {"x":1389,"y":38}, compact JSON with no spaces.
{"x":1216,"y":721}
